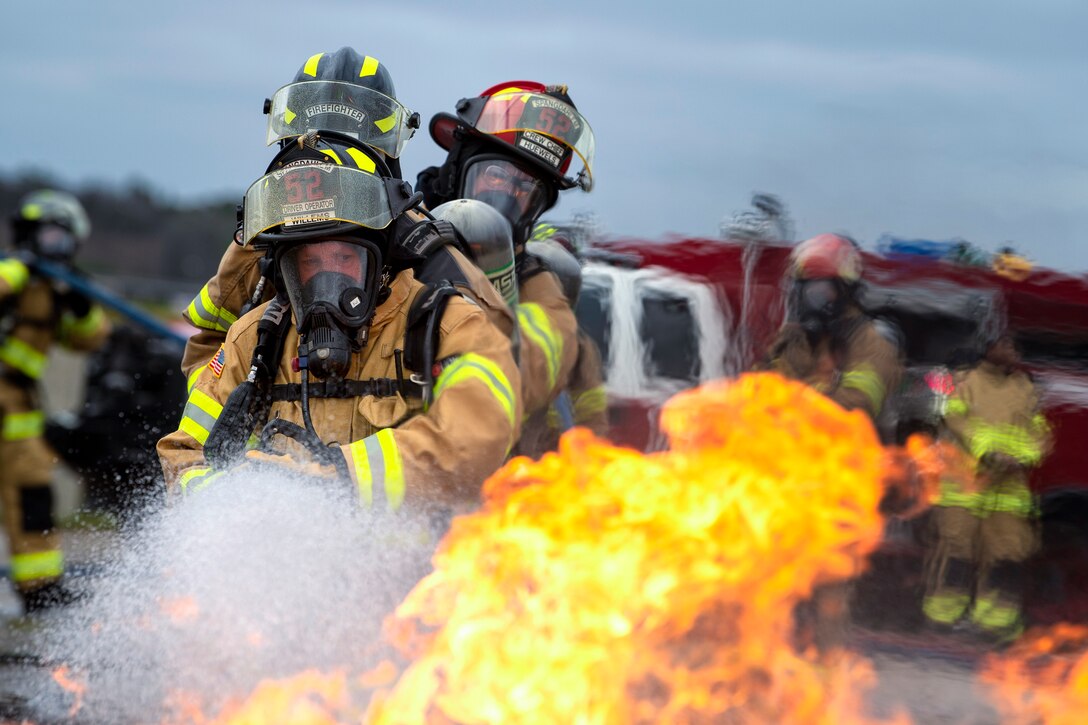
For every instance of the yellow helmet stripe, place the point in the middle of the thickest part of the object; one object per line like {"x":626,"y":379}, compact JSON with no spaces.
{"x":289,"y":116}
{"x":370,"y":67}
{"x":332,"y":155}
{"x":310,"y":68}
{"x":364,"y":162}
{"x":385,"y":124}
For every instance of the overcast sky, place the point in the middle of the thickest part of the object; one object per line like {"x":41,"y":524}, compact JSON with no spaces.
{"x":924,"y":118}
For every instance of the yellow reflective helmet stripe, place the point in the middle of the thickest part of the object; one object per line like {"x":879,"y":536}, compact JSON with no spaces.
{"x":206,"y":314}
{"x":471,"y":366}
{"x":370,"y":67}
{"x":866,"y":380}
{"x":386,"y":124}
{"x":332,"y":155}
{"x":197,"y":479}
{"x":534,"y":322}
{"x":198,"y":418}
{"x":289,"y":116}
{"x":20,"y":426}
{"x":364,"y":162}
{"x":310,"y":68}
{"x":71,"y":326}
{"x":18,"y":354}
{"x":14,"y":273}
{"x":37,"y":565}
{"x":193,"y":377}
{"x":377,"y":466}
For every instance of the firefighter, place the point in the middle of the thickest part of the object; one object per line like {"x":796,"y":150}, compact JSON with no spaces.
{"x":403,"y":388}
{"x":829,"y":343}
{"x":348,"y":93}
{"x":985,"y":529}
{"x":588,"y":399}
{"x":37,"y":312}
{"x":513,"y":147}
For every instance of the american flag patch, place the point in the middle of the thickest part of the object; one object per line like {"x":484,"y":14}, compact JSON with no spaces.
{"x":216,"y":363}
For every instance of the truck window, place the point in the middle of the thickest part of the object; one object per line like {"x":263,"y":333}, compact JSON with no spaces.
{"x":671,"y":336}
{"x":594,"y":312}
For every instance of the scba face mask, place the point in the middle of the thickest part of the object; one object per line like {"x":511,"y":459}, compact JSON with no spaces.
{"x":333,"y":288}
{"x":818,"y":302}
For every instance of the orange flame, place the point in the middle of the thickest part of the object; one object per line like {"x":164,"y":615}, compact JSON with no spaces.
{"x":180,"y":609}
{"x":603,"y":585}
{"x":1043,"y":678}
{"x":70,"y":684}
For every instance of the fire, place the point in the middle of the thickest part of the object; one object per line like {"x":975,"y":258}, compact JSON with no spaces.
{"x":603,"y":585}
{"x":1043,"y":678}
{"x":310,"y":698}
{"x":77,"y":688}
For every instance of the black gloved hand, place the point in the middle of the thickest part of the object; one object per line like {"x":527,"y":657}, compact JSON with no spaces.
{"x":76,"y":302}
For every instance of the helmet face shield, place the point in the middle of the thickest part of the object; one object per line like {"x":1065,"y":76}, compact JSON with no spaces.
{"x":517,"y":194}
{"x":541,"y":126}
{"x":364,"y":114}
{"x":312,"y":197}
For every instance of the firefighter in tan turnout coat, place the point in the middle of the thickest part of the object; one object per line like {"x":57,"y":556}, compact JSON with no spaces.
{"x":985,"y":525}
{"x":411,"y":392}
{"x":36,"y":313}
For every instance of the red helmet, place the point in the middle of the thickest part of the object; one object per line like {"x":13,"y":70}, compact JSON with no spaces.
{"x":538,"y":123}
{"x":826,"y":256}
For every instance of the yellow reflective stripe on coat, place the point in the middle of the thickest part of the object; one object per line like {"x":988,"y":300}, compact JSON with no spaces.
{"x":20,"y":426}
{"x":1011,"y":440}
{"x":198,"y":418}
{"x":866,"y":380}
{"x":37,"y":565}
{"x":587,"y":405}
{"x":590,"y":403}
{"x":1015,"y":500}
{"x":377,"y":467}
{"x":24,"y":358}
{"x":471,"y":366}
{"x":70,"y":325}
{"x":952,"y":494}
{"x":196,"y":479}
{"x":204,"y":313}
{"x":193,"y":377}
{"x":956,"y":406}
{"x":534,"y":322}
{"x":14,"y":273}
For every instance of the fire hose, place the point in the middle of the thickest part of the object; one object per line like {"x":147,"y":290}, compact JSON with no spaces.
{"x":78,"y":282}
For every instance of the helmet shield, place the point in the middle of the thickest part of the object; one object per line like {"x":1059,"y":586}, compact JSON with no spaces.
{"x":336,"y":276}
{"x":517,"y":194}
{"x":315,"y":196}
{"x":363,"y":113}
{"x":541,"y":126}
